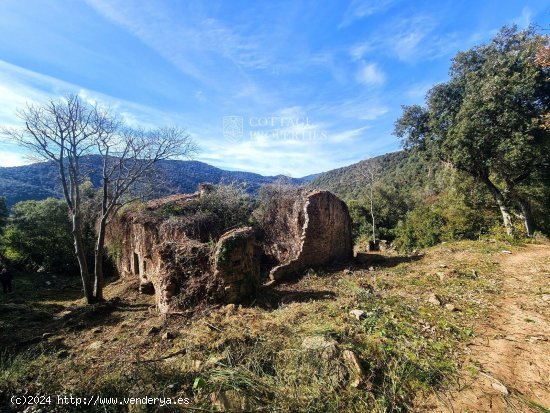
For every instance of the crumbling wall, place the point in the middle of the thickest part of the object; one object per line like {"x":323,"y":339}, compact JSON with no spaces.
{"x":237,"y":265}
{"x":182,"y":268}
{"x":324,"y":228}
{"x":176,"y":265}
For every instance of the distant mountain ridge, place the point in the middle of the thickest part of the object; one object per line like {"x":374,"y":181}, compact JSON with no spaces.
{"x":40,"y":180}
{"x":401,"y":170}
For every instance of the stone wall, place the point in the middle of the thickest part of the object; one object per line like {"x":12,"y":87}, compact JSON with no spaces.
{"x":322,"y":236}
{"x":182,"y":270}
{"x":237,"y":265}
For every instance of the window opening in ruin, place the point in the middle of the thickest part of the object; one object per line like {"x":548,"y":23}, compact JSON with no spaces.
{"x":136,"y":264}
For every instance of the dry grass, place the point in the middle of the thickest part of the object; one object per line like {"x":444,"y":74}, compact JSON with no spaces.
{"x":254,"y":354}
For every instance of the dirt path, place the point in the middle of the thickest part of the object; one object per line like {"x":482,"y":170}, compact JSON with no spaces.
{"x":511,"y":353}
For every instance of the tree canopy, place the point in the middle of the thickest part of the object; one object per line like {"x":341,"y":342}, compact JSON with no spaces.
{"x":488,"y":119}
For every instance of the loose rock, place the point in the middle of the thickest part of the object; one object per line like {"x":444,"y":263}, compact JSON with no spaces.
{"x":326,"y":347}
{"x":434,"y":299}
{"x":451,"y":307}
{"x":501,"y":388}
{"x":358,"y":314}
{"x":354,"y":362}
{"x":96,"y":345}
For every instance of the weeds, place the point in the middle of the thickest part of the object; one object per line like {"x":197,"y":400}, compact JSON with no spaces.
{"x":255,"y":358}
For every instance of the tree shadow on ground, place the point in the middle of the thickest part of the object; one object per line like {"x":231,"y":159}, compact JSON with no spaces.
{"x":271,"y":298}
{"x":364,"y":260}
{"x":46,"y":307}
{"x":284,"y":291}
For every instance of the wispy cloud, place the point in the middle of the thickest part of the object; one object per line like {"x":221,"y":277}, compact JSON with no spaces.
{"x":359,"y":9}
{"x":348,"y":135}
{"x":363,"y":108}
{"x":371,"y":75}
{"x":192,"y":43}
{"x":409,"y":39}
{"x":346,"y":66}
{"x":525,"y":18}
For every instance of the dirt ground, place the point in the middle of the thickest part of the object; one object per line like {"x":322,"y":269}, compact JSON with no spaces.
{"x":508,"y":368}
{"x":493,"y":349}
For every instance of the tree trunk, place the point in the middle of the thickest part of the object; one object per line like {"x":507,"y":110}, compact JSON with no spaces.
{"x":372,"y":214}
{"x":527,"y":216}
{"x":501,"y":202}
{"x":81,"y":257}
{"x":373,"y":229}
{"x":98,"y":269}
{"x":506,"y":216}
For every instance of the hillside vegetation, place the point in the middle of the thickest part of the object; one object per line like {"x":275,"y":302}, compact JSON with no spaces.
{"x":288,"y":351}
{"x":40,"y":180}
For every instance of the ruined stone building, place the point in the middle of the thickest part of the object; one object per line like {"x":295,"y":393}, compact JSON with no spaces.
{"x":183,"y":259}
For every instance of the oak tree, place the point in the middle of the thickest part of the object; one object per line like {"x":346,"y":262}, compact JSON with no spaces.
{"x":488,"y":119}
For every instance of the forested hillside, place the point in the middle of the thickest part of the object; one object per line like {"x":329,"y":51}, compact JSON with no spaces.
{"x":420,"y":200}
{"x":40,"y":180}
{"x":404,"y":171}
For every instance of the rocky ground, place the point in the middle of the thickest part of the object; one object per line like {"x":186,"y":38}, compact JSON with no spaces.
{"x":508,"y":362}
{"x":462,"y":327}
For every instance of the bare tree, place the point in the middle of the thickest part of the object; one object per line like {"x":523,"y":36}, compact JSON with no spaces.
{"x":128,"y":167}
{"x":66,"y":131}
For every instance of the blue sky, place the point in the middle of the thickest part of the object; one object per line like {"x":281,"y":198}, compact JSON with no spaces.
{"x":274,"y":87}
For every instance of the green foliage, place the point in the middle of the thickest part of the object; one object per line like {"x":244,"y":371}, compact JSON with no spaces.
{"x":404,"y":175}
{"x":39,"y":234}
{"x":461,"y":211}
{"x":230,"y":202}
{"x":360,"y":220}
{"x":389,"y":208}
{"x":423,"y":227}
{"x":487,"y":120}
{"x":213,"y":213}
{"x":4,"y":213}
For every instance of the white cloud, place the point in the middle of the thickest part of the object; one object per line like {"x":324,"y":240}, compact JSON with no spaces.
{"x":190,"y":41}
{"x":359,"y":9}
{"x":8,"y":158}
{"x":289,"y":153}
{"x":348,"y":135}
{"x":362,"y":108}
{"x":371,"y":75}
{"x":358,"y":51}
{"x":409,"y":39}
{"x":525,"y":18}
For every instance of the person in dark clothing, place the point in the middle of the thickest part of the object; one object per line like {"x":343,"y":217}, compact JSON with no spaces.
{"x":6,"y":279}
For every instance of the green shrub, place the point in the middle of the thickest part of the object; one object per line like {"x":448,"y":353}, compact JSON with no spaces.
{"x":423,"y":227}
{"x":38,"y":234}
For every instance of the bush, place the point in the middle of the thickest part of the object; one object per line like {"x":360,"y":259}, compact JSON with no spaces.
{"x":223,"y":208}
{"x":38,"y":234}
{"x":423,"y":227}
